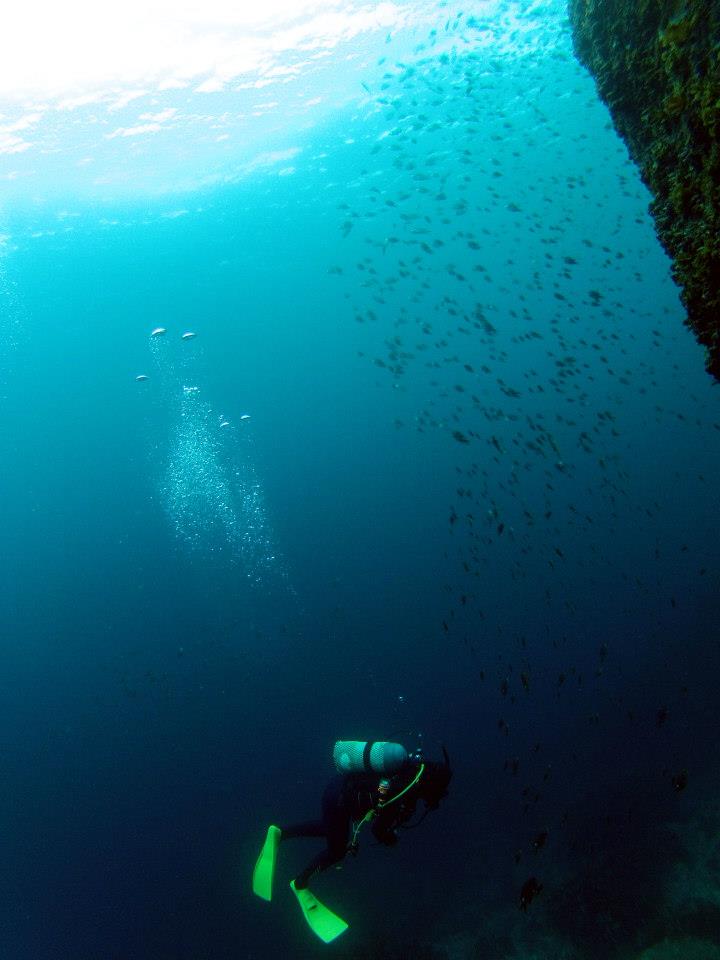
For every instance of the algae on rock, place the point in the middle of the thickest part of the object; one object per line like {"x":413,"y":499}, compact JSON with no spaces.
{"x":657,"y":66}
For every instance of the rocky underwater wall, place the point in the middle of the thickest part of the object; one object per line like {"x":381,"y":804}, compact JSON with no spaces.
{"x":657,"y":66}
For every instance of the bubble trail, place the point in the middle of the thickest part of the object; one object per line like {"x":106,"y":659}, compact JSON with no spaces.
{"x":210,"y":488}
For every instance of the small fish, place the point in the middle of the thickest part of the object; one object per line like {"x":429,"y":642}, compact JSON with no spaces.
{"x":245,"y":416}
{"x":530,"y":889}
{"x":140,"y":377}
{"x":225,"y":423}
{"x":158,"y":332}
{"x":188,"y":335}
{"x":679,"y":781}
{"x":539,"y":841}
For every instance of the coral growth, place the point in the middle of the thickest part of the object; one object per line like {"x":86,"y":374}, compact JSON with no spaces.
{"x":656,"y":66}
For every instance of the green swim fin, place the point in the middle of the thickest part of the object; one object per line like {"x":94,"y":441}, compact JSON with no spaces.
{"x":265,"y":866}
{"x":321,"y":921}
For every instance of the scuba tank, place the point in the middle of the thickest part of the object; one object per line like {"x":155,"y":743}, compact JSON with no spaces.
{"x":369,"y":756}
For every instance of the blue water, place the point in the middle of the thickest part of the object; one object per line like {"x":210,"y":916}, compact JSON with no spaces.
{"x":473,"y":498}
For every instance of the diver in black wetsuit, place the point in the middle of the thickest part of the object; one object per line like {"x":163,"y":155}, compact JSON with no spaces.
{"x":351,"y":797}
{"x":379,"y":784}
{"x":347,"y":798}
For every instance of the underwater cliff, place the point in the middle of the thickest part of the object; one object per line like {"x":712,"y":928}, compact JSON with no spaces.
{"x":657,"y":68}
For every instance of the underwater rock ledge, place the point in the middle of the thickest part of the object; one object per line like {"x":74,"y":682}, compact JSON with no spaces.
{"x":657,"y":66}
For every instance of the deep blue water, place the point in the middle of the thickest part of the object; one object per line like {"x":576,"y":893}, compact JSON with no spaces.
{"x":475,"y":499}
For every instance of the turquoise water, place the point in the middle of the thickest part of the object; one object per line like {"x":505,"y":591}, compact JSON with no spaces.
{"x":440,"y":459}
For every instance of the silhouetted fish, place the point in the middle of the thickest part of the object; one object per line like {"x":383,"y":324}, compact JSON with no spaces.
{"x":530,"y":889}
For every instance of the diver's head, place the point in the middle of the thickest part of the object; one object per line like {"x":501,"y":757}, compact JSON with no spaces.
{"x":435,"y":781}
{"x":383,"y":789}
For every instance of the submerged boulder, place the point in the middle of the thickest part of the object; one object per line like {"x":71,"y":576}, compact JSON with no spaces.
{"x":657,"y":66}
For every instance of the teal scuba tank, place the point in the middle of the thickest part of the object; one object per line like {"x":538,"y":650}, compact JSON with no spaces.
{"x":369,"y":756}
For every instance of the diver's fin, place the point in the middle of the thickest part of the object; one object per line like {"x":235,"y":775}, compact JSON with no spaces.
{"x":265,"y":866}
{"x":321,"y":921}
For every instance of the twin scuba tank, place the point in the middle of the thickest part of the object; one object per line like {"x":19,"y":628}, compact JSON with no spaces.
{"x":369,"y":756}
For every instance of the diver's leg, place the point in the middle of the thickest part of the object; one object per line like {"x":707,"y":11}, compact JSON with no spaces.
{"x":335,"y":827}
{"x":316,"y":865}
{"x":337,"y":837}
{"x":336,"y":818}
{"x":310,"y":828}
{"x":326,"y":858}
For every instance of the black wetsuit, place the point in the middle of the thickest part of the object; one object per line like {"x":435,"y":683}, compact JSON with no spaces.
{"x":346,"y":800}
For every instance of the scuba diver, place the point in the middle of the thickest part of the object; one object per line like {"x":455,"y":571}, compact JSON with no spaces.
{"x":378,"y":783}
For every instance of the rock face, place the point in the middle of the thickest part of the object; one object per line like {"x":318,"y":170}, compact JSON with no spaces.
{"x":657,"y":66}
